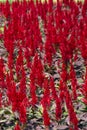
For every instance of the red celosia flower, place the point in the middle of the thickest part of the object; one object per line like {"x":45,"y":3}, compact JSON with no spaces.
{"x":22,"y":113}
{"x":37,"y":71}
{"x":46,"y":96}
{"x":46,"y":117}
{"x":6,"y":9}
{"x":33,"y":93}
{"x":58,"y":109}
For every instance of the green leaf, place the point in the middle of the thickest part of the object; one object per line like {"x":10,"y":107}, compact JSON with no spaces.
{"x":2,"y":111}
{"x":3,"y":120}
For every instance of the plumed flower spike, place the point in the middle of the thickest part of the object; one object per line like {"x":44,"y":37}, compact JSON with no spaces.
{"x":46,"y":118}
{"x":37,"y":71}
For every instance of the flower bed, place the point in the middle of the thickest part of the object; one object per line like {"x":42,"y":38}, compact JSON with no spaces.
{"x":41,"y":40}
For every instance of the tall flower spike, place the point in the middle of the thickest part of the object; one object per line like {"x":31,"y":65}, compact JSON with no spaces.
{"x":46,"y":117}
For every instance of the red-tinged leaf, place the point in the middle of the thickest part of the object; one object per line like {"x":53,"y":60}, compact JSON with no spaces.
{"x":84,"y":100}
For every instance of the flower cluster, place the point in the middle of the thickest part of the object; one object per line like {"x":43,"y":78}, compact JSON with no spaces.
{"x":34,"y":34}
